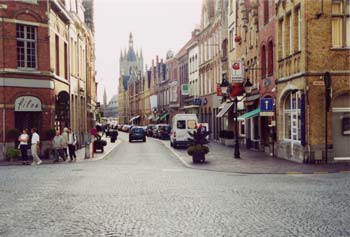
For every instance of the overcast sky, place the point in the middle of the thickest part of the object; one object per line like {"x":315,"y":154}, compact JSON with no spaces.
{"x":157,"y":26}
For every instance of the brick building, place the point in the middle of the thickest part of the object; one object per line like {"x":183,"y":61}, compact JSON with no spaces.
{"x":312,"y":37}
{"x":35,"y":80}
{"x":266,"y":69}
{"x":212,"y":44}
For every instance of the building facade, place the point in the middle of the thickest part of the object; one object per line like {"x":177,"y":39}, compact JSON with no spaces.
{"x":36,"y":74}
{"x":312,"y":38}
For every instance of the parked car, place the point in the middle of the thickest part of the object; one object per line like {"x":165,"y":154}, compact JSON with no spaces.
{"x":149,"y":131}
{"x":127,"y":128}
{"x":137,"y":133}
{"x":144,"y":128}
{"x":164,"y":131}
{"x":120,"y":126}
{"x":181,"y":125}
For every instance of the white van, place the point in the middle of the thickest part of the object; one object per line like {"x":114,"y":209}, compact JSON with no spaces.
{"x":181,"y":125}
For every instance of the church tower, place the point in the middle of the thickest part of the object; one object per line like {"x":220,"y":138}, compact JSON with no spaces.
{"x":130,"y":65}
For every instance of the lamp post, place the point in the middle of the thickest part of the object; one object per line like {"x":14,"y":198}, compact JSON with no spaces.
{"x":248,"y":88}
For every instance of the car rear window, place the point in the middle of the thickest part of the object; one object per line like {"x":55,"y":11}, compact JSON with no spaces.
{"x":137,"y":130}
{"x":181,"y":124}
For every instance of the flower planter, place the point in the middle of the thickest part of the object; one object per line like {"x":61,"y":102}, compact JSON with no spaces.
{"x":198,"y":157}
{"x":229,"y":142}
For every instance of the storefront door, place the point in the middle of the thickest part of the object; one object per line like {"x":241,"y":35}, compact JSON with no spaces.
{"x":341,"y":127}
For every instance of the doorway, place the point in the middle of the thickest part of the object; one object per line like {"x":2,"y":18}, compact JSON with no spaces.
{"x":341,"y":127}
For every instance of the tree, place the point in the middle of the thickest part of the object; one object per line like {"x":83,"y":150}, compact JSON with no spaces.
{"x":197,"y":140}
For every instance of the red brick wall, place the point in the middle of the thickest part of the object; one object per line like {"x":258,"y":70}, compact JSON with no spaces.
{"x":266,"y":33}
{"x":24,"y":12}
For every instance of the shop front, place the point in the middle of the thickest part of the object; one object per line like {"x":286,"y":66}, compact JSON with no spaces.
{"x":28,"y":113}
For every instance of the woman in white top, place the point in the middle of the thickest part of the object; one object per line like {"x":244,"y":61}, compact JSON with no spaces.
{"x":23,"y":145}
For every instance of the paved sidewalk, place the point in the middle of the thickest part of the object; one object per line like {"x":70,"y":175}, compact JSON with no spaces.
{"x":80,"y":155}
{"x":220,"y":158}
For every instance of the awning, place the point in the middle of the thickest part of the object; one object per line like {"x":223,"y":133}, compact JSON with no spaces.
{"x":225,"y":108}
{"x":135,"y":117}
{"x":191,"y":106}
{"x":249,"y":114}
{"x":156,"y":118}
{"x":163,"y":116}
{"x":150,"y":117}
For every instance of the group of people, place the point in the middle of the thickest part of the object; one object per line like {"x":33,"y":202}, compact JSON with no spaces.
{"x":63,"y":145}
{"x":25,"y":141}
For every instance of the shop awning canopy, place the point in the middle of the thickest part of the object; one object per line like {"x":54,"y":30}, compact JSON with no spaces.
{"x":163,"y":116}
{"x":249,"y":114}
{"x":226,"y":106}
{"x":156,"y":118}
{"x":134,"y":118}
{"x":150,"y":117}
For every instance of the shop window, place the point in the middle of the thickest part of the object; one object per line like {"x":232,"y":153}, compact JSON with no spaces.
{"x":291,"y":117}
{"x":26,"y":46}
{"x":242,"y":128}
{"x":346,"y":126}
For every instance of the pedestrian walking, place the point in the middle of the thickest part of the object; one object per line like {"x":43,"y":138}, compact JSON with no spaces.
{"x":23,"y":145}
{"x":57,"y":143}
{"x":35,"y":146}
{"x":65,"y":142}
{"x":72,"y":142}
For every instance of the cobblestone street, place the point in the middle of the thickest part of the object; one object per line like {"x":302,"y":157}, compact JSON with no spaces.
{"x":141,"y":189}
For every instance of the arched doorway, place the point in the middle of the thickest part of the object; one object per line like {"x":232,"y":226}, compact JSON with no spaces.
{"x":341,"y":127}
{"x":62,"y":110}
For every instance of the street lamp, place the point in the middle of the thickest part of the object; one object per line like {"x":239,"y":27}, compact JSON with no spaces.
{"x":248,"y":89}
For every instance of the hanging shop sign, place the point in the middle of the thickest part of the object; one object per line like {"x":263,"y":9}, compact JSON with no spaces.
{"x":185,"y":89}
{"x":27,"y":104}
{"x":237,"y":72}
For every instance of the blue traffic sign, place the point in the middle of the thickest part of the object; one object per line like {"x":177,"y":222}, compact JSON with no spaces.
{"x":266,"y":104}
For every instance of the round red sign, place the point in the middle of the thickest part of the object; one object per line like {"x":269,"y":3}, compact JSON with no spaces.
{"x":235,"y":66}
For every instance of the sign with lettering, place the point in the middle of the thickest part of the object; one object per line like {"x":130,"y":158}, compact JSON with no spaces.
{"x":27,"y":104}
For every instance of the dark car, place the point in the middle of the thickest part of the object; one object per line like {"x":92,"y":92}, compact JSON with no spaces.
{"x":164,"y":131}
{"x":137,"y":133}
{"x":149,"y":131}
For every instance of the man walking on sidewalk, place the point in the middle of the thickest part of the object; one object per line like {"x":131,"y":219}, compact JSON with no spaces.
{"x":35,"y":146}
{"x":65,"y":142}
{"x":57,"y":144}
{"x":72,"y":141}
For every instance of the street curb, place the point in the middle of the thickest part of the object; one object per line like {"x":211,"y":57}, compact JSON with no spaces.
{"x":105,"y":154}
{"x":187,"y":165}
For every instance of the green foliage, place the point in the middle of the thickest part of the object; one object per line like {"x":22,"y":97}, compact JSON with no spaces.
{"x":197,"y":149}
{"x":12,"y":153}
{"x":50,"y":133}
{"x":98,"y":117}
{"x":12,"y":134}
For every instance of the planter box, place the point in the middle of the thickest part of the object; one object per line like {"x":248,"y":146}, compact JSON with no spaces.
{"x":229,"y":142}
